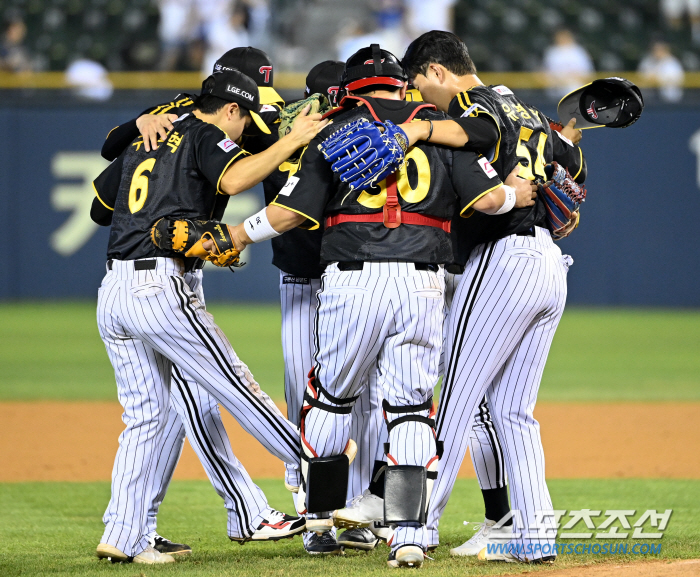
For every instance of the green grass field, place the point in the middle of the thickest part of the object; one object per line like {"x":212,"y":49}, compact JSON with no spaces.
{"x":53,"y":528}
{"x":53,"y":351}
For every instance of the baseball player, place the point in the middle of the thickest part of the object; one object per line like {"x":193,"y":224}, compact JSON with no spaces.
{"x":193,"y":410}
{"x":149,"y":317}
{"x":380,"y":306}
{"x":511,"y":297}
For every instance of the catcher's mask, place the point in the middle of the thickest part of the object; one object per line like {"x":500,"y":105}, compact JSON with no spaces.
{"x":372,"y":66}
{"x":613,"y":102}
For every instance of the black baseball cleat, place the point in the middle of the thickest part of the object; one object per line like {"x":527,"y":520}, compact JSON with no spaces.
{"x":277,"y":526}
{"x":323,"y":544}
{"x":362,"y":539}
{"x":163,"y":545}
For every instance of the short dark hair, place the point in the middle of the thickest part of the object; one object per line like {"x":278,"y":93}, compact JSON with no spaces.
{"x":209,"y":104}
{"x":439,"y":47}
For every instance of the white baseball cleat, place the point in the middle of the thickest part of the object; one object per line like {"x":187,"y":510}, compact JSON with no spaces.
{"x":149,"y":556}
{"x":383,"y":532}
{"x":319,"y":526}
{"x":485,"y":535}
{"x":363,"y":510}
{"x":484,"y":555}
{"x":276,"y":526}
{"x":406,"y":556}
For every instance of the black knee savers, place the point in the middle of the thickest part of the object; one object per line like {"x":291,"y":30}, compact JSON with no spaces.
{"x":405,"y":495}
{"x":327,"y":483}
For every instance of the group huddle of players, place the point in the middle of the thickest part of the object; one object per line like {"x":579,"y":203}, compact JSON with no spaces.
{"x":442,"y":266}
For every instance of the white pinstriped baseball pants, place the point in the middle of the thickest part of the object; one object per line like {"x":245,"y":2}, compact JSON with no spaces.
{"x":147,"y":320}
{"x":367,"y":428}
{"x":387,"y":317}
{"x":503,"y":319}
{"x":485,"y":448}
{"x":195,"y":412}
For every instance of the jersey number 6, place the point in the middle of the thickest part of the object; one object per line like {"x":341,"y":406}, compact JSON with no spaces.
{"x":138,"y":191}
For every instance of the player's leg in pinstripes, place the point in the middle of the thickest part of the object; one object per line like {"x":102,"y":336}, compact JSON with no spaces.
{"x":506,"y":287}
{"x":298,"y":306}
{"x":199,"y":412}
{"x":512,"y":397}
{"x":143,"y":380}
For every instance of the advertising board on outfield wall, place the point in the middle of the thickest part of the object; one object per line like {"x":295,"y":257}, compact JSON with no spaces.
{"x":638,"y":243}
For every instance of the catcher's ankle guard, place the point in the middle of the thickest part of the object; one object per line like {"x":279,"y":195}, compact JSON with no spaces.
{"x":405,"y":495}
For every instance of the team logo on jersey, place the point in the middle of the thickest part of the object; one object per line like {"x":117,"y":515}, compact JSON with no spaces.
{"x":502,"y":90}
{"x":591,"y":111}
{"x":266,"y":70}
{"x":227,"y":145}
{"x":267,"y":108}
{"x":487,"y":168}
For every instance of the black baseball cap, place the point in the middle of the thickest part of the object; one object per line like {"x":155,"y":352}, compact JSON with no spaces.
{"x":234,"y":86}
{"x":325,"y":78}
{"x":255,"y":64}
{"x":613,"y":102}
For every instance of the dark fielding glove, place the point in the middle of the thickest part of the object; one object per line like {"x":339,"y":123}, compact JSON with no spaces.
{"x":562,"y":197}
{"x":363,"y":154}
{"x":188,"y":236}
{"x":319,"y":105}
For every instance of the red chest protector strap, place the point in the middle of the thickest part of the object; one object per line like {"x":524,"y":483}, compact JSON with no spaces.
{"x":392,"y":215}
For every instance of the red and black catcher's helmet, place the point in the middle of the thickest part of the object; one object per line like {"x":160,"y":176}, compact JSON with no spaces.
{"x":372,"y":66}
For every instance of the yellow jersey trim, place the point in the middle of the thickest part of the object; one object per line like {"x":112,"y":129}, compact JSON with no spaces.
{"x":97,"y":194}
{"x":465,"y":103}
{"x":306,"y":216}
{"x":580,"y":166}
{"x":218,"y":183}
{"x":477,"y":199}
{"x":110,"y":132}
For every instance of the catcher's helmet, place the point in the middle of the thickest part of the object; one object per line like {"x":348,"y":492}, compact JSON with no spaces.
{"x":613,"y":102}
{"x":325,"y":78}
{"x":370,"y":67}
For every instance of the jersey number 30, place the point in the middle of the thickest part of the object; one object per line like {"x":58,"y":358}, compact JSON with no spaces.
{"x":407,"y":192}
{"x":138,"y":191}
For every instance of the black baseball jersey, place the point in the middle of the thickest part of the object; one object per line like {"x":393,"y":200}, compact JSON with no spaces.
{"x":296,"y":252}
{"x":180,"y":179}
{"x":435,"y":181}
{"x":524,"y":138}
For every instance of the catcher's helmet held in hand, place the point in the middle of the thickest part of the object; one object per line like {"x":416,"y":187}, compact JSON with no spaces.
{"x":372,"y":66}
{"x":612,"y":102}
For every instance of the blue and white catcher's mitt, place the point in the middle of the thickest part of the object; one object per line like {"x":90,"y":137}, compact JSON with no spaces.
{"x":363,"y":154}
{"x":562,"y":197}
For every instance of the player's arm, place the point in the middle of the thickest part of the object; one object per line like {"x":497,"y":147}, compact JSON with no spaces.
{"x":153,"y":123}
{"x":254,"y":168}
{"x":300,"y":203}
{"x":106,"y":187}
{"x":569,"y":155}
{"x":479,"y":187}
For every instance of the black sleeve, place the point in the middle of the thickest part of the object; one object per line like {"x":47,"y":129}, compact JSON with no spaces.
{"x":214,"y":153}
{"x":482,"y":130}
{"x":106,"y":187}
{"x":308,"y":191}
{"x":570,"y":156}
{"x":472,"y":177}
{"x":123,"y":135}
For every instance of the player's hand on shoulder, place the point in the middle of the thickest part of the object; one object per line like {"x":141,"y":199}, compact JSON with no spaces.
{"x":571,"y":132}
{"x":153,"y":126}
{"x":525,"y":190}
{"x":306,"y":127}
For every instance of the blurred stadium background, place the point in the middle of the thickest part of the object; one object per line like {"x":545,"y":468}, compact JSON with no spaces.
{"x":70,"y":70}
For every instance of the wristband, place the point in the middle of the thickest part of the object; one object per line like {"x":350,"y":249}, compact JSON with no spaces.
{"x":430,"y":134}
{"x":509,"y":203}
{"x":258,"y":227}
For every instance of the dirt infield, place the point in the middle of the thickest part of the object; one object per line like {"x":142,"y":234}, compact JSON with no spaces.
{"x":636,"y":569}
{"x":76,"y":441}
